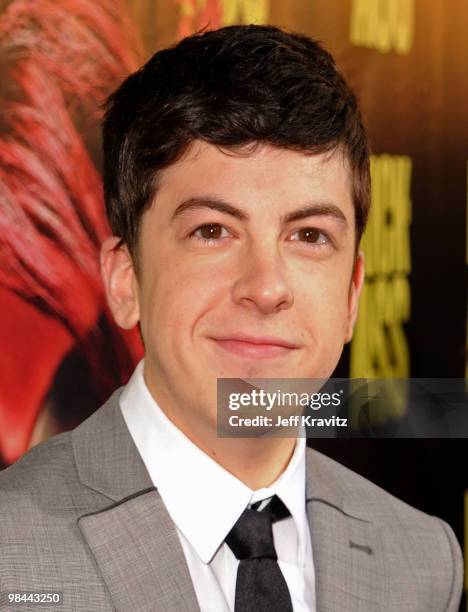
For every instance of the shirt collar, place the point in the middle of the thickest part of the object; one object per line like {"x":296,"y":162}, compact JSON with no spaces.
{"x":202,"y":498}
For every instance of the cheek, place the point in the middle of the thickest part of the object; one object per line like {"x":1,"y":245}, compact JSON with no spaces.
{"x":325,"y":306}
{"x":176,"y":300}
{"x":326,"y":325}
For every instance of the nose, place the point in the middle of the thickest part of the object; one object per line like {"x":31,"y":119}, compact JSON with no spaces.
{"x":262,"y":282}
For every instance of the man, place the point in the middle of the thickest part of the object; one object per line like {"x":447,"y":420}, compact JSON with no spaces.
{"x":236,"y":175}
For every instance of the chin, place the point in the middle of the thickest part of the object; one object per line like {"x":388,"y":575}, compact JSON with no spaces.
{"x":261,"y":370}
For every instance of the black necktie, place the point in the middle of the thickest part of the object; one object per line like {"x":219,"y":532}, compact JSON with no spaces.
{"x":260,"y":585}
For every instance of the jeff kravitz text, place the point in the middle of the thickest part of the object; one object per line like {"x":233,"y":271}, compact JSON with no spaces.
{"x":294,"y":420}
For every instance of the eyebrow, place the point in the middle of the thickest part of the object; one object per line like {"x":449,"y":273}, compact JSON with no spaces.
{"x":319,"y":209}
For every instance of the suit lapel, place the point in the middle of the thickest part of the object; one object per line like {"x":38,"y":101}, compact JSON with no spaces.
{"x":130,"y":533}
{"x":348,"y":556}
{"x":139,"y":554}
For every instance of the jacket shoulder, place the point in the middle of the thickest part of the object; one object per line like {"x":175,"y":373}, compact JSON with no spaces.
{"x":415,"y":543}
{"x":44,"y":467}
{"x":45,"y":480}
{"x":42,"y":488}
{"x":366,"y":500}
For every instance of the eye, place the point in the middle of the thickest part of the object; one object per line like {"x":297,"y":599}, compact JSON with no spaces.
{"x":313,"y":236}
{"x":209,"y":232}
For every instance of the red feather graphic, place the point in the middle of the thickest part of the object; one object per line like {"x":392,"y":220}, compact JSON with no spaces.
{"x":63,"y":58}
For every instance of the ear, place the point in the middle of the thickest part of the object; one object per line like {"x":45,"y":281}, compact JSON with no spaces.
{"x":357,"y":282}
{"x":120,"y":283}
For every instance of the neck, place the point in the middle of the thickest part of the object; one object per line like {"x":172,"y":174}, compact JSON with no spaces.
{"x":257,"y":462}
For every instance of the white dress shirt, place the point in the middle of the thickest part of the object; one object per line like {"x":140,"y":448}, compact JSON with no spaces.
{"x":204,"y":501}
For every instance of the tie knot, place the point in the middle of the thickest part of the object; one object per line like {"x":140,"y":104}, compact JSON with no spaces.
{"x":252,"y":535}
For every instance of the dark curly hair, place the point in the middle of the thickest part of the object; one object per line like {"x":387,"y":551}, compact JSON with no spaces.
{"x":227,"y":87}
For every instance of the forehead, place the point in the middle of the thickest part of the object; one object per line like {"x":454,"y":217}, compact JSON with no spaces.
{"x":258,"y":177}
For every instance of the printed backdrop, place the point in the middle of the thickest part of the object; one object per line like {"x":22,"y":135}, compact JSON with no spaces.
{"x":61,"y":354}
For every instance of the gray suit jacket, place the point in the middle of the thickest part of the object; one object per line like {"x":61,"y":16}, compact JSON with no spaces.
{"x":79,"y":514}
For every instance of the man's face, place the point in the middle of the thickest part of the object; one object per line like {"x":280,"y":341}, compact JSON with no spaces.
{"x":246,"y":271}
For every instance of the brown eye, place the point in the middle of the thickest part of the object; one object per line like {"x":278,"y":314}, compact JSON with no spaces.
{"x":209,"y":232}
{"x":309,"y":234}
{"x":312,"y":235}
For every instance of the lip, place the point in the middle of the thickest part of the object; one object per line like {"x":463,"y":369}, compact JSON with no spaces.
{"x":255,"y":347}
